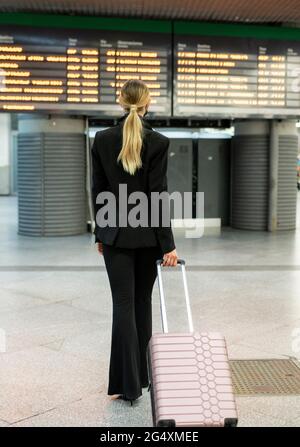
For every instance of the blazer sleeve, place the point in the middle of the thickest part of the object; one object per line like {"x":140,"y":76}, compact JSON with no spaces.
{"x":99,"y":180}
{"x":158,"y":183}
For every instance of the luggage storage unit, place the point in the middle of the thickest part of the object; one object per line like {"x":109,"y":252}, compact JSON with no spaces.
{"x":190,"y":378}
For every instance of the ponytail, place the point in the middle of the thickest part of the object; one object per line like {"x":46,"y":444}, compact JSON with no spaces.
{"x":134,"y":96}
{"x":130,"y":154}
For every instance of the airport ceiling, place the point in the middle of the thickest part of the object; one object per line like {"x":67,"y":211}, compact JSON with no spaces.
{"x":251,"y":11}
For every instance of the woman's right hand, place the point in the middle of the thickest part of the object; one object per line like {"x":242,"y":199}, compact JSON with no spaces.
{"x":170,"y":259}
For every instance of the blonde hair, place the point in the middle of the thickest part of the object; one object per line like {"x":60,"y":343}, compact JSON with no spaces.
{"x":134,"y":96}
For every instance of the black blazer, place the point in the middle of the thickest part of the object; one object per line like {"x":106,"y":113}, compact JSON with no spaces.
{"x":108,"y":173}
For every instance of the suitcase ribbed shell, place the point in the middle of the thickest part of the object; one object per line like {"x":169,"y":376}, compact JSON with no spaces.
{"x":190,"y":380}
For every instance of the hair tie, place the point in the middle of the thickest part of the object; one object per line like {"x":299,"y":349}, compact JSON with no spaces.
{"x":133,"y":107}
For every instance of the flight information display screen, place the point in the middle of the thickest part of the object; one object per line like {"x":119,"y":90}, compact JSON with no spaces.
{"x":236,"y":77}
{"x":81,"y":71}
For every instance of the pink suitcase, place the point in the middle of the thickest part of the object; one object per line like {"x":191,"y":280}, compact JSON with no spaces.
{"x":190,"y":380}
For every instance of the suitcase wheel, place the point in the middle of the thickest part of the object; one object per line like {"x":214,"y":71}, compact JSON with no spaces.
{"x":230,"y":422}
{"x":166,"y":423}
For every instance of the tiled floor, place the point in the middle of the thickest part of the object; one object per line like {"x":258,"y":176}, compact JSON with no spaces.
{"x":55,"y":320}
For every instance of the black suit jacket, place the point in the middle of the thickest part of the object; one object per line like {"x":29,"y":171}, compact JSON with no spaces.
{"x":108,"y":173}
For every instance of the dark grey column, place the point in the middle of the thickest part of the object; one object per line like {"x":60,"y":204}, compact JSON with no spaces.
{"x":51,"y":176}
{"x":250,"y":175}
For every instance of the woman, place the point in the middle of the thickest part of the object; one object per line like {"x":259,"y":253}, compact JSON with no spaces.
{"x":133,"y":155}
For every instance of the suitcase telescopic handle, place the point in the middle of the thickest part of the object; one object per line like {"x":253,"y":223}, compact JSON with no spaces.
{"x":163,"y":312}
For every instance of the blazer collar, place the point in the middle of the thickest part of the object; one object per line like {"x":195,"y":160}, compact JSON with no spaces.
{"x":144,"y":121}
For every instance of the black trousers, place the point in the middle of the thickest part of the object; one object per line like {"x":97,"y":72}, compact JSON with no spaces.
{"x":131,"y":274}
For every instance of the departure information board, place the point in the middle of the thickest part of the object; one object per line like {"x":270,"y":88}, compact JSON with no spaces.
{"x":71,"y":70}
{"x":228,"y":76}
{"x":81,"y":71}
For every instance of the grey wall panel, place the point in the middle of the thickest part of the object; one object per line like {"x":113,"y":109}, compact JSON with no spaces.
{"x":51,"y":183}
{"x":214,"y":177}
{"x":287,"y":181}
{"x":224,"y":180}
{"x":180,"y":167}
{"x":249,"y":182}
